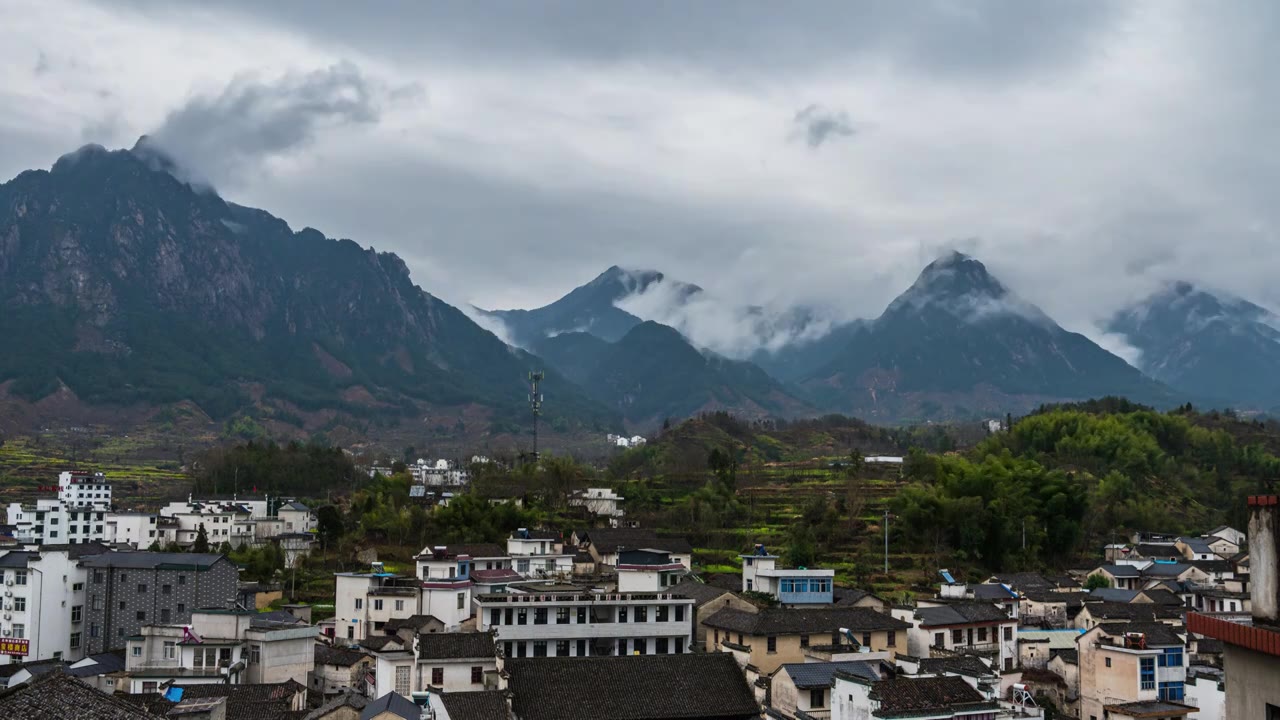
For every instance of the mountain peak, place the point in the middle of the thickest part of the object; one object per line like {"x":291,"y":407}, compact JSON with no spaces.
{"x":957,"y":274}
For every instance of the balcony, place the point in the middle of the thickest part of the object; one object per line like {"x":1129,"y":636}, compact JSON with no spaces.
{"x":986,"y":649}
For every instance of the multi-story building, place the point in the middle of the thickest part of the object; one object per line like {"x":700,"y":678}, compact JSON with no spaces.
{"x":539,"y":554}
{"x":1123,"y":664}
{"x":220,"y":647}
{"x":234,"y":520}
{"x":444,"y":562}
{"x":139,"y":529}
{"x":44,"y":603}
{"x":438,"y":662}
{"x":577,"y":622}
{"x":76,"y":515}
{"x":127,"y":590}
{"x":940,"y":629}
{"x":776,"y":636}
{"x":365,"y":602}
{"x":789,"y":586}
{"x":601,"y":502}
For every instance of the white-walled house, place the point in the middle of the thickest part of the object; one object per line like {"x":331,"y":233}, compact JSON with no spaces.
{"x":949,"y":629}
{"x":76,"y":515}
{"x":44,"y":601}
{"x":438,"y":662}
{"x":539,"y":554}
{"x":789,"y":586}
{"x":602,"y":502}
{"x":365,"y":602}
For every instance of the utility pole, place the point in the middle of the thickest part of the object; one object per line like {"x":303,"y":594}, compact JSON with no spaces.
{"x":535,"y":403}
{"x":886,"y":542}
{"x":1024,"y":534}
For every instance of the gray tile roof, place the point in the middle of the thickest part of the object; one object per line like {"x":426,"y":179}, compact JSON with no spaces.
{"x":267,"y":701}
{"x":393,"y":703}
{"x":917,"y":695}
{"x":1156,"y":633}
{"x":819,"y":674}
{"x":151,"y":560}
{"x":477,"y":705}
{"x":634,"y":687}
{"x":960,"y":614}
{"x":440,"y":646}
{"x":1130,"y":611}
{"x":608,"y":540}
{"x":992,"y":591}
{"x":1117,"y":595}
{"x":700,"y":592}
{"x":1125,"y":571}
{"x":58,"y":696}
{"x":778,"y":621}
{"x":964,"y":665}
{"x":346,"y":699}
{"x":337,"y":656}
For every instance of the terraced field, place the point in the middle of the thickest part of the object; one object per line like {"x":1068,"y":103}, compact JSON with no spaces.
{"x":143,"y":469}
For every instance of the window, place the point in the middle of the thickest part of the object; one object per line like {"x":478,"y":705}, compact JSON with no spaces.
{"x":1147,"y":673}
{"x":982,"y":634}
{"x":679,"y":613}
{"x":477,"y":674}
{"x":20,"y":604}
{"x":663,"y":646}
{"x":495,"y":616}
{"x":582,"y":615}
{"x":740,"y":639}
{"x":1008,"y":632}
{"x":182,"y":608}
{"x":20,"y":577}
{"x":77,"y":587}
{"x":170,"y":650}
{"x":939,"y":639}
{"x":359,"y":603}
{"x":399,"y":605}
{"x":150,"y":686}
{"x":123,"y":604}
{"x":402,"y":680}
{"x":562,"y":648}
{"x":642,"y":614}
{"x":638,"y":646}
{"x":165,"y":616}
{"x":804,"y":641}
{"x":1171,"y":691}
{"x":1171,"y":657}
{"x":562,"y":616}
{"x":662,"y":613}
{"x":522,"y":567}
{"x":1108,"y":662}
{"x":957,"y":636}
{"x":97,"y":576}
{"x":893,"y":638}
{"x":582,"y":648}
{"x":622,"y":614}
{"x":437,"y":676}
{"x":166,"y":589}
{"x":462,"y":600}
{"x":93,"y":631}
{"x":866,"y":639}
{"x":142,"y":588}
{"x":772,"y":644}
{"x":377,"y":604}
{"x":817,"y":698}
{"x":142,"y":615}
{"x":75,"y":640}
{"x":540,"y":616}
{"x":522,"y":616}
{"x":136,"y":651}
{"x":182,"y":579}
{"x":539,"y":648}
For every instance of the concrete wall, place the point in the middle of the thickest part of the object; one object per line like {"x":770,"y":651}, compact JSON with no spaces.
{"x":457,"y":674}
{"x":188,"y":589}
{"x":286,"y":655}
{"x":788,"y":649}
{"x":728,"y":600}
{"x":1253,"y":678}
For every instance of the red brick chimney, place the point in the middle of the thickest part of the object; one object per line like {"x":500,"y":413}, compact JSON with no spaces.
{"x":1264,"y":558}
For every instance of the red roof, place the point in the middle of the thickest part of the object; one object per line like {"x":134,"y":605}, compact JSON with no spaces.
{"x":1260,"y":639}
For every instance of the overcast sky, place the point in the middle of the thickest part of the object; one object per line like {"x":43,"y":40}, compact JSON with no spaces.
{"x":816,"y":152}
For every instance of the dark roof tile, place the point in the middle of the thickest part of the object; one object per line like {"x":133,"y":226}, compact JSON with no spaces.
{"x":441,"y":646}
{"x":921,"y":694}
{"x":58,"y":696}
{"x":779,"y":621}
{"x":477,"y":705}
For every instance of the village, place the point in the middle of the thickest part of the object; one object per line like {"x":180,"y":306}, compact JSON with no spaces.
{"x":128,"y":614}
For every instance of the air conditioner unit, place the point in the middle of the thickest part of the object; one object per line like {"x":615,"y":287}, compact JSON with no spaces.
{"x":8,"y":616}
{"x":9,"y":583}
{"x":8,"y":593}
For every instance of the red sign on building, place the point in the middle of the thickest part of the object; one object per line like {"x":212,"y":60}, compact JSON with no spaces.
{"x":14,"y":646}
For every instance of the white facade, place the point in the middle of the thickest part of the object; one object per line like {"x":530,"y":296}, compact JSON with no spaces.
{"x":438,"y":473}
{"x":365,"y":602}
{"x":599,"y":501}
{"x":413,"y":670}
{"x":1208,"y":694}
{"x":134,"y":528}
{"x":578,"y":624}
{"x":55,"y":522}
{"x":235,"y":521}
{"x":44,"y":603}
{"x":537,"y":555}
{"x":81,"y":489}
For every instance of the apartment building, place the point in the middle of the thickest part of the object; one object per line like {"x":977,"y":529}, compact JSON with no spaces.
{"x":127,"y":590}
{"x":539,"y":554}
{"x":789,"y":586}
{"x":1128,"y":663}
{"x":773,"y":637}
{"x":961,"y":628}
{"x":365,"y":602}
{"x":43,"y":604}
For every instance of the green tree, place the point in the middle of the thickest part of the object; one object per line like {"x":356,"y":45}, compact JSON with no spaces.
{"x":202,"y":540}
{"x":1096,"y":582}
{"x":329,"y":525}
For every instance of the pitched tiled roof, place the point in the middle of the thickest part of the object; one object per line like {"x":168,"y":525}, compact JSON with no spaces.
{"x":1116,"y":595}
{"x":1071,"y":598}
{"x":635,"y":687}
{"x":960,"y":614}
{"x":728,"y":581}
{"x":1068,"y":656}
{"x":779,"y":621}
{"x":1151,"y":708}
{"x":1127,"y":571}
{"x":1131,"y":611}
{"x":474,"y":550}
{"x":442,"y":646}
{"x":394,"y":704}
{"x":413,"y":622}
{"x":819,"y":674}
{"x":380,"y":642}
{"x":152,"y":560}
{"x":346,"y":699}
{"x":342,"y":657}
{"x":850,"y":596}
{"x":608,"y":540}
{"x":1165,"y":570}
{"x":700,"y":592}
{"x":1162,"y":596}
{"x":920,"y":694}
{"x":477,"y":705}
{"x":963,"y":665}
{"x":1156,"y":633}
{"x":992,"y":591}
{"x":267,"y":701}
{"x":58,"y":696}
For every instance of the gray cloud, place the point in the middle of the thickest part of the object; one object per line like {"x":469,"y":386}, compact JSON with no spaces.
{"x":818,"y":124}
{"x":218,"y":137}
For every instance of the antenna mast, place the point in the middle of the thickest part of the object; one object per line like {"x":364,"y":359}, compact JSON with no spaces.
{"x":535,"y":402}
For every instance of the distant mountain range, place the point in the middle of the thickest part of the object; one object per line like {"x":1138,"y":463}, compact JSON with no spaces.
{"x":123,"y":287}
{"x":1205,"y":345}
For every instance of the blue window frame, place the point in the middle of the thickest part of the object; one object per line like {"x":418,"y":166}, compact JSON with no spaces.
{"x":1171,"y":691}
{"x":1147,"y":673}
{"x":1172,"y":657}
